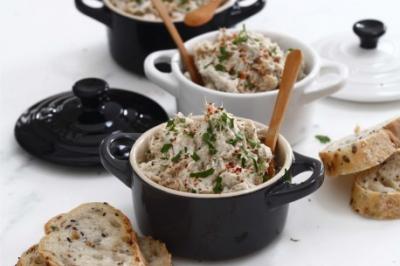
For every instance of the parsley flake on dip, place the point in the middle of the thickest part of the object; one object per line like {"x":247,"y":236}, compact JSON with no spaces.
{"x":217,"y":153}
{"x":242,"y":62}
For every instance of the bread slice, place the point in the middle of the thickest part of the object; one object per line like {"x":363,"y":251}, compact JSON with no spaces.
{"x":376,"y":192}
{"x":31,"y":257}
{"x":155,"y":252}
{"x":362,"y":151}
{"x":91,"y":234}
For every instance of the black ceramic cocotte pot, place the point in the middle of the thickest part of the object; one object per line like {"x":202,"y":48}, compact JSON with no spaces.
{"x":209,"y":226}
{"x":132,"y":38}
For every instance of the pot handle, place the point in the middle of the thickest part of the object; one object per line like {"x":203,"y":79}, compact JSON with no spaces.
{"x":335,"y":75}
{"x":101,"y":14}
{"x":166,"y":81}
{"x":239,"y":13}
{"x":286,"y":192}
{"x":114,"y":155}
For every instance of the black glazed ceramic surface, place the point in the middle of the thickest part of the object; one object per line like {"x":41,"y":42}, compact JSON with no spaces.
{"x":67,"y":128}
{"x":209,"y":228}
{"x":369,"y":31}
{"x":131,"y":40}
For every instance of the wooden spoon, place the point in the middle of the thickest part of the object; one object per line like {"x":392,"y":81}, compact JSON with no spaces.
{"x":203,"y":14}
{"x":289,"y":77}
{"x":187,"y":59}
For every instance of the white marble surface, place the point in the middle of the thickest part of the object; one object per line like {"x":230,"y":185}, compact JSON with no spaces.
{"x":47,"y":45}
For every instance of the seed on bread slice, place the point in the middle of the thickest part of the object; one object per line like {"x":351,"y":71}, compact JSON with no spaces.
{"x":376,"y":192}
{"x":91,"y":234}
{"x":155,"y":252}
{"x":31,"y":257}
{"x":358,"y":152}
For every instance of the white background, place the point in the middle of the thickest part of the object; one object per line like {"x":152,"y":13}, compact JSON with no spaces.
{"x":46,"y":45}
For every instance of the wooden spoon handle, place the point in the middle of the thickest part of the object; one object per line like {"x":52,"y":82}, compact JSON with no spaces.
{"x":187,"y":59}
{"x":289,"y":77}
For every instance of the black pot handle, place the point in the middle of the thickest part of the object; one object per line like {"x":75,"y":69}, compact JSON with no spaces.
{"x":114,"y":155}
{"x":101,"y":14}
{"x":285,"y":191}
{"x":239,"y":13}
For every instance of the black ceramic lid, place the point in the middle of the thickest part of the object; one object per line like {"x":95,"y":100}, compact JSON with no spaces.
{"x":67,"y":128}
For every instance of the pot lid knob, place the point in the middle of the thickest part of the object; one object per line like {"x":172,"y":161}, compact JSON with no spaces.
{"x":90,"y":91}
{"x":369,"y":31}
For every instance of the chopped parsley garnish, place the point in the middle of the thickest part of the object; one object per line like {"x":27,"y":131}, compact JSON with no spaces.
{"x":248,"y":84}
{"x":224,"y":55}
{"x":227,"y":120}
{"x":181,"y":120}
{"x":287,"y":177}
{"x":241,"y":37}
{"x":323,"y":139}
{"x":220,"y":67}
{"x":189,"y":133}
{"x":290,"y":49}
{"x":253,"y":143}
{"x":209,"y":138}
{"x":166,"y":147}
{"x":193,"y":190}
{"x":237,"y":138}
{"x":266,"y":177}
{"x":218,"y":185}
{"x":195,"y":156}
{"x":255,"y":164}
{"x":177,"y":157}
{"x":243,"y":162}
{"x":203,"y":174}
{"x":171,"y":124}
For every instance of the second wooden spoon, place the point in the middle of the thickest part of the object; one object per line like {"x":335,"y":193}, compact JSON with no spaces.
{"x":289,"y":77}
{"x":203,"y":14}
{"x":187,"y":58}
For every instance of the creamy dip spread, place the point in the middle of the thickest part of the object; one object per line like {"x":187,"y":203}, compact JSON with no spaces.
{"x":215,"y":154}
{"x":144,"y":8}
{"x":240,"y":62}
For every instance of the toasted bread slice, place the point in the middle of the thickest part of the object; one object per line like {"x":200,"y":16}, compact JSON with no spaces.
{"x":155,"y":252}
{"x":91,"y":234}
{"x":362,"y":151}
{"x":31,"y":257}
{"x":376,"y":192}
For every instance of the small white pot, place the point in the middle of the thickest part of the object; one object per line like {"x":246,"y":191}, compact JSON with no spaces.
{"x":323,"y":78}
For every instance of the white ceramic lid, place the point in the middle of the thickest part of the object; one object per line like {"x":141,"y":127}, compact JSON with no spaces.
{"x":374,"y":62}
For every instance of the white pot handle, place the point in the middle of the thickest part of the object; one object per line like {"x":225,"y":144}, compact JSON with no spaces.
{"x":332,"y":77}
{"x":166,"y":81}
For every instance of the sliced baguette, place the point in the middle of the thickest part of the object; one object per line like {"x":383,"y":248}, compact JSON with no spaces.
{"x":376,"y":192}
{"x":155,"y":252}
{"x":31,"y":257}
{"x":362,"y":151}
{"x":91,"y":234}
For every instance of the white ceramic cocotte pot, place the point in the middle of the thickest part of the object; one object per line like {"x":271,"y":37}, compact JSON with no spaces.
{"x":322,"y":78}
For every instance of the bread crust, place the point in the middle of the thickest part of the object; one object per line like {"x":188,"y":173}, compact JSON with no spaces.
{"x":355,"y":153}
{"x":31,"y":257}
